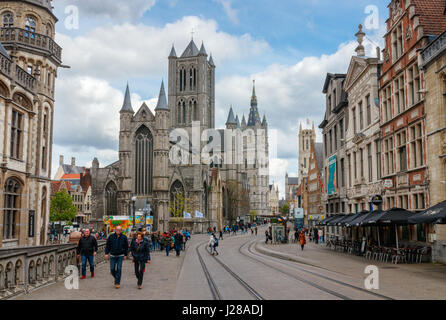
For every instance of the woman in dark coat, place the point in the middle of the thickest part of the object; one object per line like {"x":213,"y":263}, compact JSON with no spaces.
{"x":141,"y":254}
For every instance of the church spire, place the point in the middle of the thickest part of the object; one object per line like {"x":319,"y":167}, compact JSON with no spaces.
{"x":253,"y":97}
{"x":162,"y":101}
{"x":127,"y":105}
{"x":202,"y":50}
{"x":173,"y":53}
{"x":231,"y":118}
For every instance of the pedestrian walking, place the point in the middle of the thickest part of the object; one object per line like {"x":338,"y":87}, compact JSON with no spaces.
{"x":178,"y":241}
{"x":213,"y":244}
{"x":168,"y":243}
{"x":316,"y":236}
{"x":87,"y":248}
{"x":302,"y":240}
{"x":266,"y":236}
{"x":140,"y":255}
{"x":116,"y":249}
{"x":256,"y":230}
{"x":221,"y":235}
{"x":321,"y":235}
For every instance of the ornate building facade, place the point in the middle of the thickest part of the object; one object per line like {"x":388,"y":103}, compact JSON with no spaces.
{"x":160,"y":160}
{"x":29,"y":59}
{"x":362,"y":176}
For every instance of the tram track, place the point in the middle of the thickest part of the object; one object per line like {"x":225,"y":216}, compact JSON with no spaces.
{"x":212,"y":285}
{"x":250,"y":245}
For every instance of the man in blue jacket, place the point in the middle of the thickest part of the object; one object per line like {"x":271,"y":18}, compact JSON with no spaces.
{"x":116,"y":249}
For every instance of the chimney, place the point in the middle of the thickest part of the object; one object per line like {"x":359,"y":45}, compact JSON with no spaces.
{"x":61,"y":160}
{"x":378,"y":53}
{"x":73,"y":161}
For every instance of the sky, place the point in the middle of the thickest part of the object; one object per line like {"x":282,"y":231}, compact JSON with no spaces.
{"x":287,"y":46}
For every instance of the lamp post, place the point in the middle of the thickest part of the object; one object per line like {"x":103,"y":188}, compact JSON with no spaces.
{"x":133,"y":211}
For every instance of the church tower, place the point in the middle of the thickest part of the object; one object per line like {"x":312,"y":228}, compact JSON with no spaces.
{"x":30,"y":60}
{"x":306,"y":137}
{"x":191,"y":88}
{"x":161,"y":157}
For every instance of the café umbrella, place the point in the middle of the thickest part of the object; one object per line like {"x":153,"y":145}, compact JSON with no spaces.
{"x":435,"y":214}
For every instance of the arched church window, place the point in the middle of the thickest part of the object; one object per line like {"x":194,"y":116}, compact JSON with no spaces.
{"x":181,"y":79}
{"x":12,"y":208}
{"x":190,"y":79}
{"x":177,"y":199}
{"x":184,"y":80}
{"x":30,"y":27}
{"x":195,"y":78}
{"x":49,"y":30}
{"x":8,"y":20}
{"x":179,"y":113}
{"x":184,"y":112}
{"x":190,"y":112}
{"x":143,"y":161}
{"x":195,"y":111}
{"x":111,"y":203}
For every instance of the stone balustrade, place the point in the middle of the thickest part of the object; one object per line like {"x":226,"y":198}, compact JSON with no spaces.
{"x":23,"y":270}
{"x":24,"y":37}
{"x":5,"y":65}
{"x":25,"y":79}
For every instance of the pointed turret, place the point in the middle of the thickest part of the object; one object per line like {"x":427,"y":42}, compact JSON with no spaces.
{"x":243,"y":121}
{"x":238,"y":122}
{"x":211,"y":61}
{"x":231,"y":120}
{"x":162,"y":101}
{"x":127,"y":105}
{"x":202,"y":50}
{"x":264,"y":123}
{"x":173,"y":53}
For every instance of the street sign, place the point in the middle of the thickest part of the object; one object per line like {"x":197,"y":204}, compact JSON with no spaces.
{"x":377,"y":200}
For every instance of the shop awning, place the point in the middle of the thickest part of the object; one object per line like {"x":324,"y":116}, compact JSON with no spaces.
{"x":334,"y":221}
{"x":435,"y":214}
{"x":372,"y":218}
{"x":359,"y":217}
{"x":324,"y":222}
{"x":346,"y":219}
{"x":393,"y":216}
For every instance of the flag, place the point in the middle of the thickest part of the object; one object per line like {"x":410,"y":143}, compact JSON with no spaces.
{"x":198,"y":214}
{"x":186,"y":215}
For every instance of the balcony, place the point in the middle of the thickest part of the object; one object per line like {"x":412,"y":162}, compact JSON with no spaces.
{"x":434,"y":49}
{"x":18,"y":36}
{"x":25,"y":79}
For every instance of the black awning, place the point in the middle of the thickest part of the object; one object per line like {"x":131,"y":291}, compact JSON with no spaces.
{"x":324,"y":222}
{"x":334,"y":221}
{"x":344,"y":220}
{"x":393,"y":216}
{"x":372,"y":218}
{"x":435,"y":214}
{"x":359,"y":217}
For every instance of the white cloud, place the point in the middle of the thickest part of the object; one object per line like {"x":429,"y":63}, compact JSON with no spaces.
{"x":141,"y":50}
{"x":230,"y":12}
{"x":118,"y":10}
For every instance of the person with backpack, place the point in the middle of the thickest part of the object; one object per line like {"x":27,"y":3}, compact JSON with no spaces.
{"x":178,"y":240}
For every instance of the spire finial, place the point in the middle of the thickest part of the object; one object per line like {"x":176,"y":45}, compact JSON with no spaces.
{"x":127,"y":105}
{"x":360,"y":37}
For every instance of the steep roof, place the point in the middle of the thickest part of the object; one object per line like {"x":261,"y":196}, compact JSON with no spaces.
{"x":432,"y":15}
{"x":162,"y":101}
{"x":293,"y":181}
{"x":231,"y":118}
{"x":191,"y":50}
{"x":202,"y":50}
{"x":173,"y":53}
{"x":211,"y":61}
{"x":127,"y":105}
{"x":69,"y":169}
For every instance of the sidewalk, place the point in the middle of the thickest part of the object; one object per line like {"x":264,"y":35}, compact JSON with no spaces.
{"x":160,"y":280}
{"x":401,"y":281}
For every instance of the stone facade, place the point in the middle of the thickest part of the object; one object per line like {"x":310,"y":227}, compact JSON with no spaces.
{"x":273,"y":199}
{"x":434,"y":62}
{"x":159,"y":157}
{"x":314,"y":207}
{"x":29,"y":61}
{"x":362,"y":176}
{"x":334,"y":130}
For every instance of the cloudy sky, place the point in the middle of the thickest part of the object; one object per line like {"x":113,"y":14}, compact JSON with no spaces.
{"x":287,"y":46}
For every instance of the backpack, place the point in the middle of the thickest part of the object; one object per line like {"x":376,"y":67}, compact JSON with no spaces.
{"x":216,"y":242}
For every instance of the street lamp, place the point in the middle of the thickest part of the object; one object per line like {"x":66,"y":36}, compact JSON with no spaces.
{"x":133,"y":212}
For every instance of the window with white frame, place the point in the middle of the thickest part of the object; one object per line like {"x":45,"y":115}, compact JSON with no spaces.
{"x":369,"y":111}
{"x":388,"y":156}
{"x":400,"y":139}
{"x":399,"y":94}
{"x":416,"y":145}
{"x":387,"y":103}
{"x":418,"y":201}
{"x":414,"y":84}
{"x":397,"y":42}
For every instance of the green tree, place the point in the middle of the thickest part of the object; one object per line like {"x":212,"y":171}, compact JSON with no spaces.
{"x":253,"y":215}
{"x":62,"y":208}
{"x":179,"y":205}
{"x":285,"y":210}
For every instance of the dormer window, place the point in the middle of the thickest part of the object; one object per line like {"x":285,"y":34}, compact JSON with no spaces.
{"x":30,"y":27}
{"x":8,"y":20}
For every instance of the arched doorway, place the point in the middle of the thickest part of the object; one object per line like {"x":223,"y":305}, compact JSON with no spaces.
{"x":177,"y":199}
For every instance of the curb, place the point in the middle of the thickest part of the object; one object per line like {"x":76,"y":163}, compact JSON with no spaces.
{"x":285,"y":256}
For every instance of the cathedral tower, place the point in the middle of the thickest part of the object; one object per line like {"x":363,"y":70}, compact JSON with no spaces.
{"x":306,"y":137}
{"x":191,"y":88}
